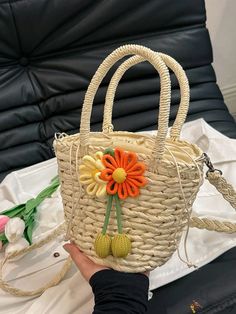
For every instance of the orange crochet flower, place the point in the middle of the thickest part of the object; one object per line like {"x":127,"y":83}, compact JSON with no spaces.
{"x":124,"y":173}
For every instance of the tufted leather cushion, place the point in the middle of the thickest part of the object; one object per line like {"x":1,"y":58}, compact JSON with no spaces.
{"x":49,"y":51}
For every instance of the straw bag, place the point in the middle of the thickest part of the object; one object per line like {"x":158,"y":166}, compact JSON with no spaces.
{"x":128,"y":197}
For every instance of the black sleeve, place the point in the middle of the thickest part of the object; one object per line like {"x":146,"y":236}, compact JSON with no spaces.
{"x":116,"y":292}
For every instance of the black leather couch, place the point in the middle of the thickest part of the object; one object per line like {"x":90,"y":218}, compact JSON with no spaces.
{"x":49,"y":51}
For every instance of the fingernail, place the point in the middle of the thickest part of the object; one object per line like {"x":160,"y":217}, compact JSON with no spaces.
{"x":65,"y":248}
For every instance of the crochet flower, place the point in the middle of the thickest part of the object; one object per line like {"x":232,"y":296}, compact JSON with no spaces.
{"x":90,"y":171}
{"x":123,"y":173}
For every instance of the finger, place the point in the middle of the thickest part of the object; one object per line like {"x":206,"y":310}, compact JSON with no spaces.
{"x":86,"y":266}
{"x":76,"y":246}
{"x":78,"y":257}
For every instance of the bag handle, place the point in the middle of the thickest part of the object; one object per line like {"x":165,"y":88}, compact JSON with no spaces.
{"x":159,"y":65}
{"x":4,"y":285}
{"x":184,"y":92}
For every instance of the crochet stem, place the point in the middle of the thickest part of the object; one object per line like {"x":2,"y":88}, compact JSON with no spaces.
{"x":118,"y":213}
{"x":107,"y":216}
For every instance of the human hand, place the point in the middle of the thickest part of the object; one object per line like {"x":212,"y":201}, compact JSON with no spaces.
{"x":86,"y":266}
{"x":125,"y":292}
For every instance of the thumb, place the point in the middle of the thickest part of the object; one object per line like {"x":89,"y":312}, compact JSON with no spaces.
{"x":71,"y":248}
{"x":86,"y":266}
{"x":77,"y":256}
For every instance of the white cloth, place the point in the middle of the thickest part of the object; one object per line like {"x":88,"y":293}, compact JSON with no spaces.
{"x":73,"y":295}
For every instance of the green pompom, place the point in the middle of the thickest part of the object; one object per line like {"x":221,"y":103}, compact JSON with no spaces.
{"x":109,"y":151}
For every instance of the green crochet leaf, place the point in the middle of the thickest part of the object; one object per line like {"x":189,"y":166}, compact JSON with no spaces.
{"x":109,"y":151}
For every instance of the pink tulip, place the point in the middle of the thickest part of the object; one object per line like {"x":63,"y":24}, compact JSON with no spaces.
{"x":3,"y":222}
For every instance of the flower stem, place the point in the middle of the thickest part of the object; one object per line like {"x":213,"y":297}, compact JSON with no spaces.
{"x":118,"y":213}
{"x":107,"y":216}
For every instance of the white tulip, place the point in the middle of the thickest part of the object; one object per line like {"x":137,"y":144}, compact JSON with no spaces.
{"x":17,"y":246}
{"x":14,"y":229}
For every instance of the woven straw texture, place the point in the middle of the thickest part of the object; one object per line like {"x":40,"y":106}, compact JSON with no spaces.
{"x":154,"y":220}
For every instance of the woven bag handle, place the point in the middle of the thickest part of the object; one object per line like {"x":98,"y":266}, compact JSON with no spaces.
{"x":184,"y":92}
{"x":228,"y":192}
{"x":4,"y":285}
{"x":164,"y":111}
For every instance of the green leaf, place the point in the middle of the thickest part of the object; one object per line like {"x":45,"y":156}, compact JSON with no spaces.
{"x":29,"y":230}
{"x":3,"y":237}
{"x":14,"y":211}
{"x":55,"y":180}
{"x":26,"y":236}
{"x":30,"y":205}
{"x":29,"y":217}
{"x":47,"y":192}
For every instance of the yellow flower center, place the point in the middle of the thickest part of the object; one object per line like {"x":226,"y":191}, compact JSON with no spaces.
{"x":94,"y":172}
{"x":119,"y":175}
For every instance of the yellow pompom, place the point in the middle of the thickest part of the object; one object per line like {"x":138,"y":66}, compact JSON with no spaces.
{"x":102,"y":245}
{"x":120,"y":245}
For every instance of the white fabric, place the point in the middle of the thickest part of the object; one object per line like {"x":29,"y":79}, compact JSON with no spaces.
{"x":74,"y":295}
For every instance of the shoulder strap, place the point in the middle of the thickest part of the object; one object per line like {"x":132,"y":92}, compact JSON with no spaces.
{"x":215,"y":177}
{"x":4,"y":285}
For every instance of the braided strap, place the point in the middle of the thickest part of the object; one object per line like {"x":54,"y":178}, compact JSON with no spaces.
{"x":229,"y":194}
{"x":226,"y":189}
{"x":53,"y":282}
{"x":213,"y":225}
